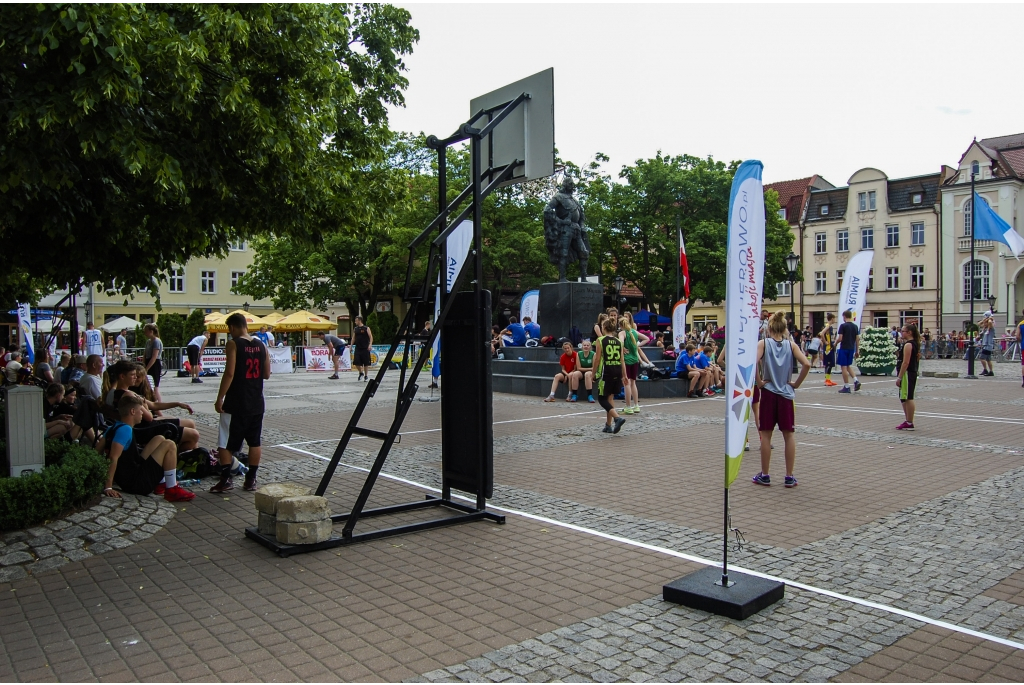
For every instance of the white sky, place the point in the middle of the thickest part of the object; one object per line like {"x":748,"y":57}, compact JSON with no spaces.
{"x":807,"y":89}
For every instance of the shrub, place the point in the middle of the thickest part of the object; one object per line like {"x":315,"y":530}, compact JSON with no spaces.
{"x":384,"y":326}
{"x":195,"y":324}
{"x":76,"y":474}
{"x":172,"y":329}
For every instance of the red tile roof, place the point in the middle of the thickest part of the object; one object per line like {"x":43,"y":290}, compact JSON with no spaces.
{"x":1015,"y":158}
{"x":787,"y":190}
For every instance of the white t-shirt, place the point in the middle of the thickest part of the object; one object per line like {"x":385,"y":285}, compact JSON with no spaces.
{"x":91,"y":385}
{"x":198,"y":341}
{"x":12,"y":369}
{"x":94,"y":342}
{"x":122,"y":343}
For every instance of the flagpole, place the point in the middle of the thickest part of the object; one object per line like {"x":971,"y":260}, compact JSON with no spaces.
{"x":679,"y":266}
{"x":970,"y":338}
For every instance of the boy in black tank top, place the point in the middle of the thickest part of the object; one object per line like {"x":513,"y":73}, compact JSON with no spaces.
{"x":241,"y":396}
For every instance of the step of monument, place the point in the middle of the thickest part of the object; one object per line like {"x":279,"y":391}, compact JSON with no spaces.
{"x":553,"y":353}
{"x":544,"y":368}
{"x":540,"y":386}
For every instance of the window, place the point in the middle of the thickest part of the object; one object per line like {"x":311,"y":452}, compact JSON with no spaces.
{"x":820,"y":243}
{"x":782,"y":213}
{"x":975,"y":168}
{"x":981,"y":280}
{"x":819,"y":282}
{"x":842,"y":241}
{"x":916,"y":277}
{"x":839,"y":280}
{"x":892,"y":236}
{"x":911,"y":316}
{"x":236,"y":276}
{"x":892,"y":278}
{"x":867,"y":238}
{"x":783,"y":288}
{"x":917,"y":233}
{"x":880,"y":319}
{"x":176,"y":280}
{"x":871,"y":279}
{"x":237,"y":245}
{"x":862,"y":202}
{"x":208,"y":282}
{"x":968,"y":218}
{"x":916,"y":198}
{"x":823,"y":210}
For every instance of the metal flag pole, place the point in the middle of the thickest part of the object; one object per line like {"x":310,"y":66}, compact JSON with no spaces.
{"x":973,"y":271}
{"x":679,"y":247}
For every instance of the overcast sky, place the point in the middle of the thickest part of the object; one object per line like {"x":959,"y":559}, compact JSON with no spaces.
{"x":806,"y":89}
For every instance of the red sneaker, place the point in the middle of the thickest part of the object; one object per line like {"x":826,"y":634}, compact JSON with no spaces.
{"x":178,"y":494}
{"x":160,"y":489}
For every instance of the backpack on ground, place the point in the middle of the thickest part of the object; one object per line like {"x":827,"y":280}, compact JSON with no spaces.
{"x":197,"y":463}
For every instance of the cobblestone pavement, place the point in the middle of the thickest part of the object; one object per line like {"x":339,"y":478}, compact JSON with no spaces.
{"x":569,"y":588}
{"x":110,"y":524}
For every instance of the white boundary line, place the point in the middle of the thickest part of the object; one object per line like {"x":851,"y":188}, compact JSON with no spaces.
{"x":896,"y":412}
{"x":700,"y":560}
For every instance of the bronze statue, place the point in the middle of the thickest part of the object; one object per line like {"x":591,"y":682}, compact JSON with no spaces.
{"x":565,"y":234}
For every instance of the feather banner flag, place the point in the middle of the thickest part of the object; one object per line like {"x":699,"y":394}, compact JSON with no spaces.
{"x":744,"y":276}
{"x":684,"y":269}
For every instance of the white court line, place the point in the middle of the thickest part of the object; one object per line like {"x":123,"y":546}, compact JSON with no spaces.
{"x":895,"y":412}
{"x":707,"y":562}
{"x":810,"y":444}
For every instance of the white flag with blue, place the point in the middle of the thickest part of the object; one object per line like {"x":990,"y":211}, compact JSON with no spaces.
{"x":990,"y":226}
{"x":25,"y":326}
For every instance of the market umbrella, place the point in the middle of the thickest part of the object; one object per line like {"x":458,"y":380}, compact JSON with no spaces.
{"x":273,"y":317}
{"x":251,"y":320}
{"x":304,"y":321}
{"x":119,"y":323}
{"x":647,"y":318}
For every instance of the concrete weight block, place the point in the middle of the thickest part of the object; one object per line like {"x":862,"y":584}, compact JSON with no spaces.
{"x":303,"y":509}
{"x":304,"y":533}
{"x":267,"y":524}
{"x":268,"y":496}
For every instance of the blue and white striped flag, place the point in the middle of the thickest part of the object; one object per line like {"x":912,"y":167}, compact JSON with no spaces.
{"x":990,"y":226}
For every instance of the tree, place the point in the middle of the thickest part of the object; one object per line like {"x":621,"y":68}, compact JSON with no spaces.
{"x":172,"y":327}
{"x":195,"y":324}
{"x":135,"y":137}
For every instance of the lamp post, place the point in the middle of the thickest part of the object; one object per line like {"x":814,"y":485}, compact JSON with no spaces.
{"x":992,"y":302}
{"x":792,"y":264}
{"x":245,"y":307}
{"x":619,"y":282}
{"x":974,"y":293}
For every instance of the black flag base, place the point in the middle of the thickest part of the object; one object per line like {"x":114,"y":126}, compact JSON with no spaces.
{"x":703,"y":590}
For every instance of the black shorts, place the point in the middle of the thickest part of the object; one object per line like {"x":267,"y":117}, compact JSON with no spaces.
{"x":362,"y":358}
{"x":193,"y":355}
{"x":986,"y":355}
{"x":610,"y":384}
{"x":169,"y":428}
{"x":247,"y":428}
{"x":137,"y":476}
{"x":154,"y":373}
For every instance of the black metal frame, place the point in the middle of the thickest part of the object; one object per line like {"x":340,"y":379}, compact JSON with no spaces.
{"x":407,"y":386}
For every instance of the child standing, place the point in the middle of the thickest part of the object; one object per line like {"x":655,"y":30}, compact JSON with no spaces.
{"x":775,"y":356}
{"x":828,"y":347}
{"x":610,"y":366}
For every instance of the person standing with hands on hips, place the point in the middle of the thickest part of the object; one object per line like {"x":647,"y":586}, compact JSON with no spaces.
{"x":907,"y":359}
{"x":849,"y":348}
{"x":362,"y":340}
{"x":775,"y":355}
{"x":240,"y":394}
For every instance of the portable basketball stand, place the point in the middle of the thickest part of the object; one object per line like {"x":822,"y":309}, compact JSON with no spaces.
{"x":511,"y":136}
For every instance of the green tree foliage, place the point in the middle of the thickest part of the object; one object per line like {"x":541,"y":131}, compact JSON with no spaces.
{"x":172,"y":329}
{"x":135,"y":137}
{"x":195,"y":324}
{"x":384,"y":326}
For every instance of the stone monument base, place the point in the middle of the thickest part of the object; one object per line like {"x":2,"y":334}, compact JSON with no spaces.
{"x":566,"y":304}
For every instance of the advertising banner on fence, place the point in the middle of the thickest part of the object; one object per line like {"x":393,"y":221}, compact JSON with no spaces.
{"x":319,"y":359}
{"x":679,"y":324}
{"x":855,"y":285}
{"x":212,"y":359}
{"x":280,"y":359}
{"x":744,"y":275}
{"x":378,"y":352}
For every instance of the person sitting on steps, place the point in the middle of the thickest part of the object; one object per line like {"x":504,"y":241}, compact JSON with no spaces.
{"x":569,"y":374}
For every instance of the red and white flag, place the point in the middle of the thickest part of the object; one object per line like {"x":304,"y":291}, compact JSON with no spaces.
{"x":683,"y":268}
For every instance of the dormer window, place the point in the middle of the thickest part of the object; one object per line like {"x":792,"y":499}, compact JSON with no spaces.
{"x":916,"y":198}
{"x":824,"y":210}
{"x":975,"y":168}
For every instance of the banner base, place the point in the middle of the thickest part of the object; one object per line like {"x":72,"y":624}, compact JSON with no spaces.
{"x":703,"y":590}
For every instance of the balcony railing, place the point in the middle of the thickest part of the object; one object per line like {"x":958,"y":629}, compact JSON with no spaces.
{"x":965,"y":245}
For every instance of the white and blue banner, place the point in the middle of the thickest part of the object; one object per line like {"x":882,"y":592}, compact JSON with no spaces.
{"x":25,"y":328}
{"x":744,"y":276}
{"x":458,"y":244}
{"x":528,"y":306}
{"x":990,"y":226}
{"x":679,"y":324}
{"x":855,"y":286}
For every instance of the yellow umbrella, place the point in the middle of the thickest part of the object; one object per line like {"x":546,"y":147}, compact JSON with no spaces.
{"x":214,"y":318}
{"x":251,"y":320}
{"x":273,"y":317}
{"x":304,"y":321}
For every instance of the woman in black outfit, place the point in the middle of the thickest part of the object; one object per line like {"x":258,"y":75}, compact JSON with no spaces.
{"x":362,"y":336}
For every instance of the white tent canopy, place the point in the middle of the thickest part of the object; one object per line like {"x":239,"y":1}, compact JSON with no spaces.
{"x":117,"y":324}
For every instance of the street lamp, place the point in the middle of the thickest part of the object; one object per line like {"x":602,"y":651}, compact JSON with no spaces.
{"x":792,"y":264}
{"x":507,"y":313}
{"x":619,"y":282}
{"x":992,"y":302}
{"x":974,"y":293}
{"x":245,"y":307}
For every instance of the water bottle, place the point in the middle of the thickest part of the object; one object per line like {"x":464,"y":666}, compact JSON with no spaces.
{"x":190,"y":482}
{"x":179,"y":474}
{"x":521,"y":359}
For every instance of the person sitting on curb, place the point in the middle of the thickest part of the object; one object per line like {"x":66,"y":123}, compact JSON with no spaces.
{"x":532,"y":329}
{"x":185,"y":434}
{"x":717,"y":376}
{"x":151,"y":470}
{"x":514,"y":334}
{"x":686,"y":367}
{"x":569,"y":374}
{"x":57,"y":421}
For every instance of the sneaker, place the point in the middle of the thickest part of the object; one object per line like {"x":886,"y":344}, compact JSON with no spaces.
{"x":590,"y":398}
{"x":607,"y":429}
{"x":709,"y":392}
{"x":250,"y":484}
{"x":333,"y":378}
{"x":617,"y":425}
{"x":762,"y":479}
{"x":433,"y":386}
{"x":636,"y":408}
{"x":360,"y":377}
{"x":571,"y":398}
{"x":856,"y":384}
{"x":223,"y":485}
{"x":159,"y":489}
{"x":549,"y":398}
{"x":746,"y":448}
{"x":829,"y":384}
{"x":238,"y":468}
{"x":178,"y":494}
{"x":791,"y":482}
{"x":845,"y":390}
{"x":627,"y":410}
{"x":905,"y":426}
{"x":196,"y":380}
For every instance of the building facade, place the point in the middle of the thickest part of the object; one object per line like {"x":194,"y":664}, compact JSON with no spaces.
{"x":998,"y":168}
{"x":899,"y":220}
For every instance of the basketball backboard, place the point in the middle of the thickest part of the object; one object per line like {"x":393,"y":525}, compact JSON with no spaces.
{"x":527,"y":134}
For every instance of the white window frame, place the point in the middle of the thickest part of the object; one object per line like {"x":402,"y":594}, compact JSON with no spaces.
{"x":237,"y":246}
{"x":843,"y":240}
{"x":782,"y":213}
{"x":871,"y":200}
{"x":823,"y":210}
{"x":912,"y":314}
{"x":867,"y":235}
{"x":976,"y":168}
{"x":916,"y":198}
{"x":862,"y":202}
{"x":208,"y":282}
{"x":840,"y":275}
{"x":871,"y":279}
{"x":892,"y":278}
{"x":985,"y":269}
{"x":917,"y":277}
{"x":968,"y":212}
{"x":880,"y":319}
{"x":782,"y":288}
{"x":892,"y":235}
{"x":235,"y":277}
{"x":176,"y":275}
{"x":820,"y":243}
{"x":820,"y":282}
{"x":917,"y":233}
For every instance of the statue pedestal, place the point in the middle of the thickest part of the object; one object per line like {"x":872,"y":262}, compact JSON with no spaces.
{"x":564,"y":305}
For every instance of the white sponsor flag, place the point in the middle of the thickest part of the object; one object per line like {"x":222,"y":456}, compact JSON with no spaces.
{"x":679,"y":324}
{"x":744,"y":274}
{"x":528,"y":306}
{"x":458,"y":244}
{"x":855,"y":285}
{"x":25,"y":327}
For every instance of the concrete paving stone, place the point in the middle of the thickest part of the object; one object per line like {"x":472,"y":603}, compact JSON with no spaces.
{"x":73,"y":543}
{"x":12,"y":558}
{"x":118,"y":542}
